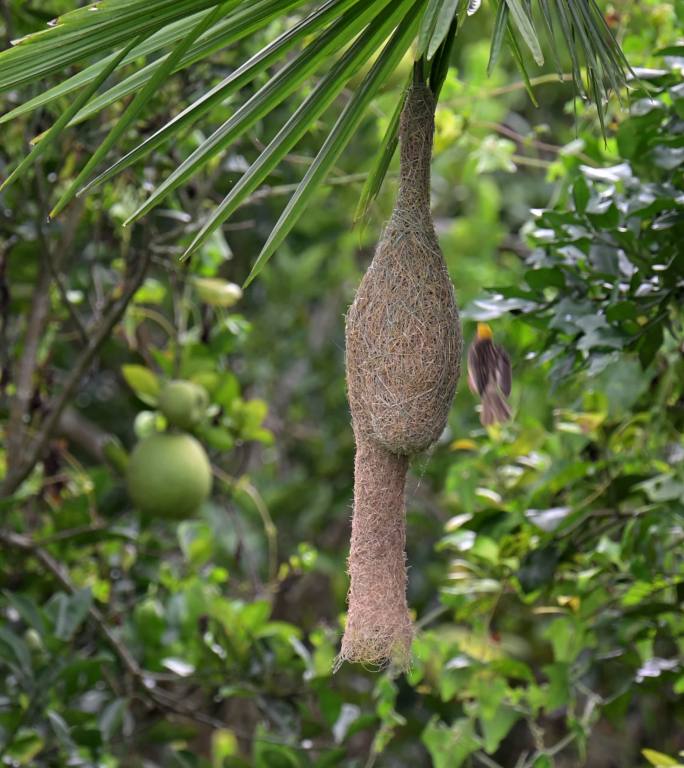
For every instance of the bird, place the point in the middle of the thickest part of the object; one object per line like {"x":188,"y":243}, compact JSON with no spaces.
{"x":489,"y":376}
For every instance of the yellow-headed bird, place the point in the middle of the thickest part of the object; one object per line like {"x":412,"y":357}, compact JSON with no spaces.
{"x":489,"y":376}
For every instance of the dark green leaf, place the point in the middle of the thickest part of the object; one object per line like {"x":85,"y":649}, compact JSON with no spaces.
{"x":523,"y":22}
{"x":545,"y":277}
{"x":28,"y":610}
{"x":71,"y":613}
{"x":14,"y":650}
{"x":538,"y":568}
{"x":112,"y":717}
{"x":376,"y":176}
{"x":500,"y":27}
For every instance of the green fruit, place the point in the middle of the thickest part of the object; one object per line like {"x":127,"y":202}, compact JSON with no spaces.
{"x":216,"y":292}
{"x":183,"y":403}
{"x":168,"y":475}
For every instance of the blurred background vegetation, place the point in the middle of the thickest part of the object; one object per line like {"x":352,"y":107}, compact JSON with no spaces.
{"x":546,"y":572}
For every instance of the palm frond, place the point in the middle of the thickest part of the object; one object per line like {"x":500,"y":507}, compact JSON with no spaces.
{"x":285,"y":83}
{"x":313,"y":106}
{"x":240,"y":77}
{"x":327,"y":45}
{"x":51,"y":135}
{"x":136,"y":106}
{"x":340,"y":136}
{"x":150,"y":44}
{"x":88,"y":31}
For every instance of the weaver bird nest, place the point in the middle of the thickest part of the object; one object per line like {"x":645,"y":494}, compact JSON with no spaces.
{"x":403,"y":358}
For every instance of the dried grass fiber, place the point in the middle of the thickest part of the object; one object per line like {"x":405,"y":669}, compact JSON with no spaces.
{"x":403,"y":354}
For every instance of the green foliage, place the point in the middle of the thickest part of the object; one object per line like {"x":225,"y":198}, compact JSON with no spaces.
{"x":546,"y":570}
{"x":607,"y":271}
{"x":189,"y":32}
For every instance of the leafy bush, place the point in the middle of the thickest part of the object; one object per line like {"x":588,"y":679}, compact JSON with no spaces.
{"x":546,"y":569}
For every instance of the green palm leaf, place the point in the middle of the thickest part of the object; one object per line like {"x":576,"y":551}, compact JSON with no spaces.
{"x":88,"y":31}
{"x":526,"y":28}
{"x":388,"y":147}
{"x":340,"y":136}
{"x":52,"y":134}
{"x":332,"y":39}
{"x":151,"y":44}
{"x":321,"y":98}
{"x":137,"y":105}
{"x":228,"y":31}
{"x":273,"y":93}
{"x":229,"y":85}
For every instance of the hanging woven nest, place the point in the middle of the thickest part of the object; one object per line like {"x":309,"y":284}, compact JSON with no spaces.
{"x":403,"y":355}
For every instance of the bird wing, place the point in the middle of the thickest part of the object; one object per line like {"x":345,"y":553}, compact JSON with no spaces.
{"x":479,"y":366}
{"x":504,"y":374}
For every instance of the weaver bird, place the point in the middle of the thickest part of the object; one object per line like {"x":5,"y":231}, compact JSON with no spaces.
{"x":489,"y":376}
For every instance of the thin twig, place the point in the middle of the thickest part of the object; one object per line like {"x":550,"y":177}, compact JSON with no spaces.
{"x":54,"y":261}
{"x":532,"y":162}
{"x":486,"y":760}
{"x":26,"y":544}
{"x":518,"y":85}
{"x":286,"y":189}
{"x":37,"y":320}
{"x":270,"y":530}
{"x":73,"y":533}
{"x":543,"y":146}
{"x":430,"y":616}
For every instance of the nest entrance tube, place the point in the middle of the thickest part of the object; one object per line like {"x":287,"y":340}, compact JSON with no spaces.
{"x":403,"y":354}
{"x":379,"y":622}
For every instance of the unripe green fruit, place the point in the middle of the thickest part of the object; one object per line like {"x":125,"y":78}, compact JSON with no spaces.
{"x":168,"y":475}
{"x":183,"y":403}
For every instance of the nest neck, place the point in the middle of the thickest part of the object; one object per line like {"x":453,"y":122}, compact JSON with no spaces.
{"x":416,"y":131}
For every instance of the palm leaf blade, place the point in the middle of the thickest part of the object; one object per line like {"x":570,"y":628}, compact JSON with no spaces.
{"x":339,"y":136}
{"x":526,"y":28}
{"x":139,"y":102}
{"x":500,"y":25}
{"x":274,"y":92}
{"x":373,"y":183}
{"x":229,"y":85}
{"x":82,"y":33}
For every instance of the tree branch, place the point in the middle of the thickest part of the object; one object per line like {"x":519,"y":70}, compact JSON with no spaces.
{"x":21,"y":401}
{"x":32,"y":454}
{"x":48,"y":271}
{"x":100,"y":445}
